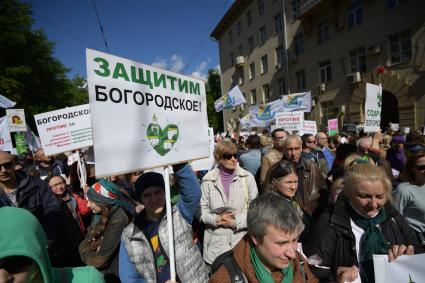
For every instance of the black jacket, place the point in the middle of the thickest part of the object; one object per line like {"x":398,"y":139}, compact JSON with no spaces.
{"x":34,"y":195}
{"x":333,"y":240}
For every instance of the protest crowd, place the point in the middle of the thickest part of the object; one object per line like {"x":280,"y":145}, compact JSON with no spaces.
{"x":274,"y":207}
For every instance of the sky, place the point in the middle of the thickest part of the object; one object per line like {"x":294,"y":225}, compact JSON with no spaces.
{"x":172,"y":34}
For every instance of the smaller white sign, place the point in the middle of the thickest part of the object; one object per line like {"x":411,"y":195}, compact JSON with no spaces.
{"x":310,"y":127}
{"x":205,"y":163}
{"x":373,"y":108}
{"x":5,"y":139}
{"x":290,"y":121}
{"x":406,"y":268}
{"x":405,"y":130}
{"x":65,"y":129}
{"x":16,"y":120}
{"x":394,"y":126}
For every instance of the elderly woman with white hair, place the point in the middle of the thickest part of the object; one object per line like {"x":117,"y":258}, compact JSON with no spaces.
{"x":362,"y":223}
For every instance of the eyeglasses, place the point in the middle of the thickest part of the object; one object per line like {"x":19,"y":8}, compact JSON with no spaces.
{"x":228,"y":156}
{"x":420,"y":167}
{"x":7,"y":165}
{"x":311,"y":141}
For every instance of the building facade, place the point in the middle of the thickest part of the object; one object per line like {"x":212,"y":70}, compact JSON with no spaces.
{"x":331,"y":47}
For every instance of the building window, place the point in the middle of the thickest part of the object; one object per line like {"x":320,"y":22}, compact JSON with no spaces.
{"x":300,"y":76}
{"x":263,"y":35}
{"x":281,"y":87}
{"x":299,"y":44}
{"x":395,"y":3}
{"x":355,"y":14}
{"x":325,"y":70}
{"x":251,"y":44}
{"x":260,"y":7}
{"x":295,"y":8}
{"x":230,"y":37}
{"x":240,"y":50}
{"x":323,"y":31}
{"x":251,"y":71}
{"x":358,"y":59}
{"x":266,"y":93}
{"x":232,"y":59}
{"x":280,"y":57}
{"x":400,"y":46}
{"x":278,"y":23}
{"x":238,"y":28}
{"x":249,"y":18}
{"x":253,"y":96}
{"x":241,"y":76}
{"x":264,"y":64}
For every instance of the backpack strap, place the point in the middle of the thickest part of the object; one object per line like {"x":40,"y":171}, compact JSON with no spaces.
{"x":235,"y":273}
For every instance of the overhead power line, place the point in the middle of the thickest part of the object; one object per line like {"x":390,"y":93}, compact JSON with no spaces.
{"x":204,"y":39}
{"x":100,"y":25}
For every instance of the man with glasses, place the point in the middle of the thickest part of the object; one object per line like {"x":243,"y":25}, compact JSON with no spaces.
{"x":20,"y":190}
{"x":274,"y":154}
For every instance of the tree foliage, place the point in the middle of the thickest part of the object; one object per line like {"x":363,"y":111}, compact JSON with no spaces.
{"x":29,"y":73}
{"x":215,"y":119}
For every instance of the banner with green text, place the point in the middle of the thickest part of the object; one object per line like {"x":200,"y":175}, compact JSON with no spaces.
{"x":143,"y":116}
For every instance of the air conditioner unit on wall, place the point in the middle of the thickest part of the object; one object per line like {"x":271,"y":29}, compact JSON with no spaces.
{"x":375,"y":49}
{"x":321,"y":87}
{"x":353,"y":78}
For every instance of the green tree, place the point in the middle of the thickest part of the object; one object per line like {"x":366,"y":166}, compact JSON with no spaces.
{"x":29,"y":74}
{"x":215,"y":119}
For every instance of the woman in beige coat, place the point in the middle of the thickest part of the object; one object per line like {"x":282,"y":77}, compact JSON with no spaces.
{"x":227,"y":192}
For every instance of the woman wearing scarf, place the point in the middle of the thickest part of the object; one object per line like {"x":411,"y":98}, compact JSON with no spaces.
{"x":227,"y":192}
{"x":101,"y":245}
{"x":362,"y":223}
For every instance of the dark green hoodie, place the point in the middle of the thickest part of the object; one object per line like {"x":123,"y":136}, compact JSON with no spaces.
{"x":22,"y":235}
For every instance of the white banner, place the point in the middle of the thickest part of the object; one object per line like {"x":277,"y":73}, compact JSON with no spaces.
{"x":290,"y":121}
{"x":5,"y":139}
{"x":297,"y":102}
{"x":263,"y":115}
{"x":310,"y":127}
{"x":406,"y":268}
{"x":373,"y":108}
{"x":143,"y":116}
{"x":233,"y":98}
{"x":64,"y":129}
{"x":6,"y":102}
{"x":16,"y":120}
{"x":206,"y":163}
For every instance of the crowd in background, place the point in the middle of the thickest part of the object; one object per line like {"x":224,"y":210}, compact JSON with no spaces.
{"x":275,"y":207}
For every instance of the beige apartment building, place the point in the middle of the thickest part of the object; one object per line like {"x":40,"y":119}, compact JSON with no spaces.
{"x":334,"y":47}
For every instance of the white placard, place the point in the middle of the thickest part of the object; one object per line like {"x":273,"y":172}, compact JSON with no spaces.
{"x":143,"y":116}
{"x":206,"y":163}
{"x":394,"y":126}
{"x":406,"y":268}
{"x":5,"y":139}
{"x":64,"y":129}
{"x":16,"y":120}
{"x":290,"y":121}
{"x":310,"y":127}
{"x":373,"y":108}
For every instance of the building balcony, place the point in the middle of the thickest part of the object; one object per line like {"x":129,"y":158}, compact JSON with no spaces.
{"x":311,"y":7}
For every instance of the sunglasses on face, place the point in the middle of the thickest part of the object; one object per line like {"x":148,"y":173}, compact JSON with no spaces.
{"x":420,"y":167}
{"x":7,"y":165}
{"x":228,"y":156}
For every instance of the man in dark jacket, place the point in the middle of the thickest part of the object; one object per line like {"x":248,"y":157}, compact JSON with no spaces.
{"x":312,"y":194}
{"x":21,"y":190}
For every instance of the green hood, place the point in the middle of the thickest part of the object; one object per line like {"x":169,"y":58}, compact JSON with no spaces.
{"x":22,"y":235}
